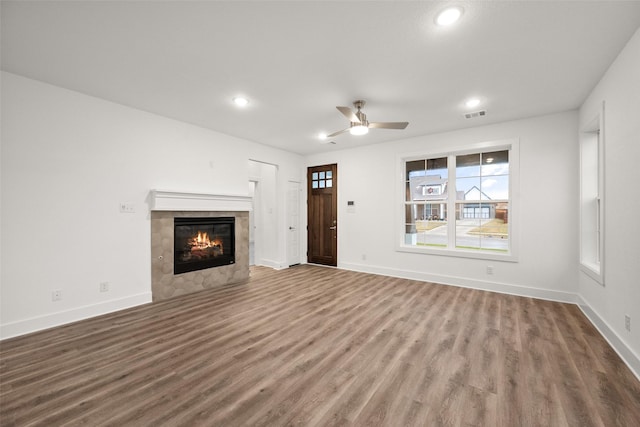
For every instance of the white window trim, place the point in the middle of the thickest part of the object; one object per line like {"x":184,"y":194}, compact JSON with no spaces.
{"x":513,"y":145}
{"x":594,"y":269}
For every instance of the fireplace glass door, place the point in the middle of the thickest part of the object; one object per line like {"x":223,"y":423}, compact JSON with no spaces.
{"x":201,"y":243}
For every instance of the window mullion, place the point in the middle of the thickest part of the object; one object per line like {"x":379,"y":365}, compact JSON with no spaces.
{"x":451,"y":202}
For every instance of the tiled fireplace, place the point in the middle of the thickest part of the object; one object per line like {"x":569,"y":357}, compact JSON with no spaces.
{"x":210,"y":218}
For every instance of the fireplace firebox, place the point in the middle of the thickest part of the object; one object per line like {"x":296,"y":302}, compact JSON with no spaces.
{"x":201,"y":243}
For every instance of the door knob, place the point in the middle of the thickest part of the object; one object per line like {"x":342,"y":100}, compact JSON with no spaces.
{"x":333,"y":228}
{"x":292,"y":228}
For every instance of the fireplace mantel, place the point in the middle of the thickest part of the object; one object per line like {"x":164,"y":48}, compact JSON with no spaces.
{"x":161,"y":200}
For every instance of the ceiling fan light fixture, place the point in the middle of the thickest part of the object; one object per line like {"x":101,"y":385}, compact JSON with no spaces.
{"x":449,"y":16}
{"x":359,"y":130}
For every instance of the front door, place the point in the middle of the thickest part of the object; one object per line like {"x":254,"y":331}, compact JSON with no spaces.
{"x":322,"y":221}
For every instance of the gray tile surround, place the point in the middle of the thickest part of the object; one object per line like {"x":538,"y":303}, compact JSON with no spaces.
{"x":164,"y":284}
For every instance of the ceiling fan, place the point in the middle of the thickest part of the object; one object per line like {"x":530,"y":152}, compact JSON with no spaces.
{"x":359,"y":123}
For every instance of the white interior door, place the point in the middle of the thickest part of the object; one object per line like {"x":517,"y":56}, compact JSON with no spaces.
{"x":267,"y":241}
{"x":293,"y":223}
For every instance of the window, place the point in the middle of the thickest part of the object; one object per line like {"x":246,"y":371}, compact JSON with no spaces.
{"x":460,"y":203}
{"x":482,"y":197}
{"x":592,"y":199}
{"x":322,"y":179}
{"x":426,"y":207}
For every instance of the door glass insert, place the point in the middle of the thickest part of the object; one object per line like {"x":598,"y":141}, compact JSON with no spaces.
{"x":323,"y":179}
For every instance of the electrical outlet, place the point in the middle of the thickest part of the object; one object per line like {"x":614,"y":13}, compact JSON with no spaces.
{"x":127,"y":208}
{"x":56,"y":295}
{"x":627,"y":322}
{"x":104,"y":286}
{"x":489,"y":269}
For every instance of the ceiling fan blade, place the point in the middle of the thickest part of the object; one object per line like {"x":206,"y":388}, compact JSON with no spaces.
{"x":349,"y":114}
{"x":338,"y":133}
{"x":388,"y":125}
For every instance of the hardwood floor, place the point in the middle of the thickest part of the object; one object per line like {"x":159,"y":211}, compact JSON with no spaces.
{"x":317,"y":346}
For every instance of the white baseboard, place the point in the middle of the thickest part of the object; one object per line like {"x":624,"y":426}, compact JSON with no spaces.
{"x":276,"y":265}
{"x":47,"y":321}
{"x":465,"y":282}
{"x":619,"y":346}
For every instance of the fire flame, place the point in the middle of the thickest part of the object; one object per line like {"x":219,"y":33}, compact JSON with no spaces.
{"x":202,"y":241}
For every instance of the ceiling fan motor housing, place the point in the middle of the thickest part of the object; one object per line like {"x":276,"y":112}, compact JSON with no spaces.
{"x":363,"y":119}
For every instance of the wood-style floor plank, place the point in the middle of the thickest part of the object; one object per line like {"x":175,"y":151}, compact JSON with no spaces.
{"x":315,"y":346}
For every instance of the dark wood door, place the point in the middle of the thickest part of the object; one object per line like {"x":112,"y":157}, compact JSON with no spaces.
{"x":322,"y":212}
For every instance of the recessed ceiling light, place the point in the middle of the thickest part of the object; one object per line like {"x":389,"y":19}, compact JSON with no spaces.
{"x":472,"y":102}
{"x":322,"y":136}
{"x":241,"y":101}
{"x":449,"y":16}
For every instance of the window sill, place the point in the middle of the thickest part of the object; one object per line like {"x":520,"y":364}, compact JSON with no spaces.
{"x":592,"y":270}
{"x":460,"y":253}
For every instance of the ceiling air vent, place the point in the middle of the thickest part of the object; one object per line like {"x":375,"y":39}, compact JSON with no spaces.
{"x":475,"y":114}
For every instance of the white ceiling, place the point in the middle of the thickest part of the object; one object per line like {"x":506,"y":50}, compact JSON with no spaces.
{"x":297,"y":60}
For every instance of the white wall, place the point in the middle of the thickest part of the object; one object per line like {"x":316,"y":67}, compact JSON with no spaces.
{"x":620,"y":90}
{"x":547,"y":219}
{"x":68,"y":160}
